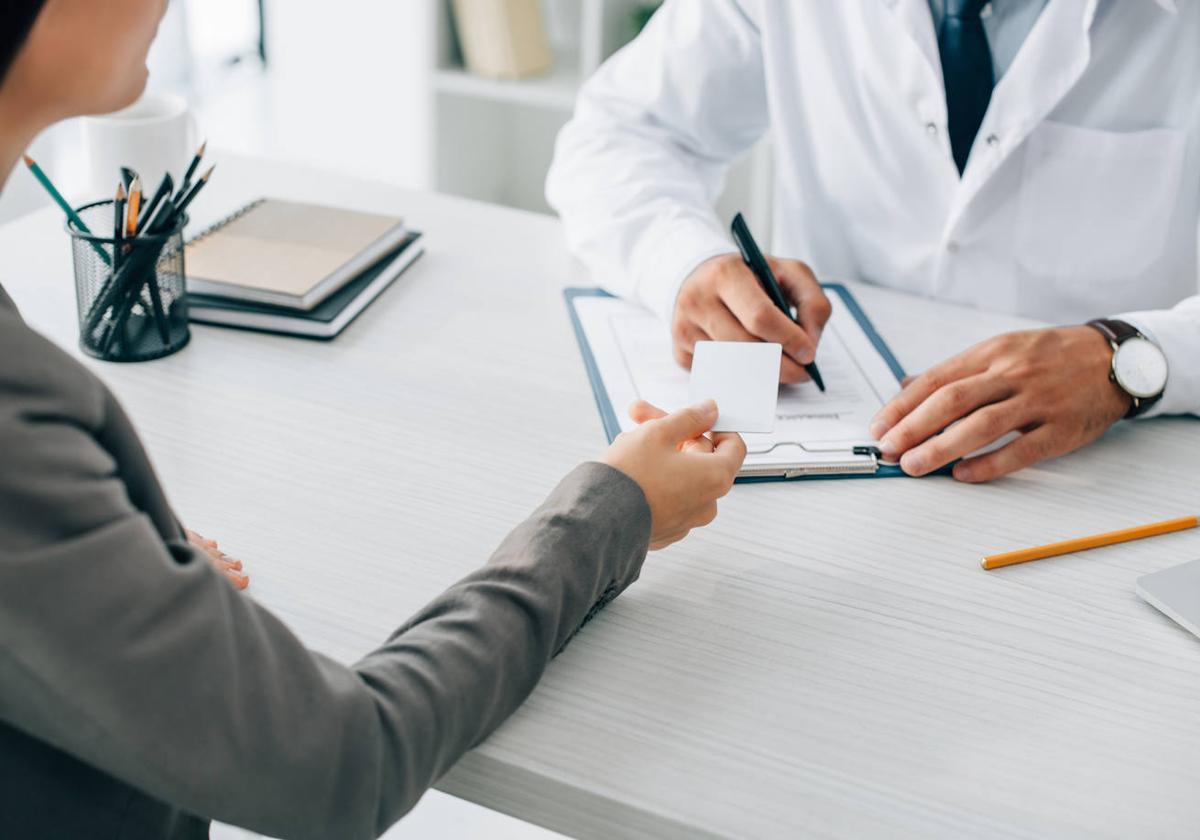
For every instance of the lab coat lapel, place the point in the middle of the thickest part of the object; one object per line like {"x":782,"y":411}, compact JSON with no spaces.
{"x":1052,"y":59}
{"x":916,"y":20}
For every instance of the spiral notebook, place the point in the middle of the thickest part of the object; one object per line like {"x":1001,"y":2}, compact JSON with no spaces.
{"x":287,"y":253}
{"x":328,"y":318}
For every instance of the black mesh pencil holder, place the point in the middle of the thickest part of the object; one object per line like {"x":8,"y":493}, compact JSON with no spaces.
{"x":133,"y":304}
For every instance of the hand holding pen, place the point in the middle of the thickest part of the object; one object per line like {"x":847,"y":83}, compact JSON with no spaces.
{"x":723,"y":300}
{"x":757,"y":263}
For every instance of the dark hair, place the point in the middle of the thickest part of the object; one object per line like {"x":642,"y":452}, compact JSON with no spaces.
{"x":16,"y":19}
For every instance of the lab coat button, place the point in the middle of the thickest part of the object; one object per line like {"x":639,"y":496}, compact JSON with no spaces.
{"x":931,"y":128}
{"x":993,"y":141}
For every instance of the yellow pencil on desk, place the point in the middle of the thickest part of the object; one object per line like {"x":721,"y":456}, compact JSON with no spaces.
{"x":1024,"y":555}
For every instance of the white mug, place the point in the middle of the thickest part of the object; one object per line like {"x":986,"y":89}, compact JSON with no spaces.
{"x":155,"y":135}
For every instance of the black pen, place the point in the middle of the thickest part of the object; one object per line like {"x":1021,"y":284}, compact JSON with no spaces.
{"x":757,"y":263}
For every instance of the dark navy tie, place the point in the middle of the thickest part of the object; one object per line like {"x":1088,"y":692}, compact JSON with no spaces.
{"x":967,"y":73}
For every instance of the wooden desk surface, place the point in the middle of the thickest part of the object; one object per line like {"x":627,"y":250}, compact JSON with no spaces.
{"x":827,"y":659}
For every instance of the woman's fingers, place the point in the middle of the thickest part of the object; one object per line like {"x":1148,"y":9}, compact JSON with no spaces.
{"x":229,"y":567}
{"x":238,"y":580}
{"x":198,"y":540}
{"x":642,"y":412}
{"x":226,"y":562}
{"x":730,"y":448}
{"x":702,"y":445}
{"x":688,"y":423}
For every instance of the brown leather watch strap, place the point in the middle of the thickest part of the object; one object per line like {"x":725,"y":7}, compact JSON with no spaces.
{"x":1118,"y":332}
{"x":1114,"y":330}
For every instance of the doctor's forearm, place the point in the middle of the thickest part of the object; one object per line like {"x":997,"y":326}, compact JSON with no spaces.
{"x":638,"y":167}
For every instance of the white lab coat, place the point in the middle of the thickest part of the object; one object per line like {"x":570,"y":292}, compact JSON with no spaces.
{"x":1081,"y":198}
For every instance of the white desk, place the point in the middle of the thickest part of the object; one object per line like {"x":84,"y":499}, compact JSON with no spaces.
{"x":827,"y":659}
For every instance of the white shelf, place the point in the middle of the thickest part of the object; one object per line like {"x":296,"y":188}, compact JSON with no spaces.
{"x":556,"y":90}
{"x":493,"y":139}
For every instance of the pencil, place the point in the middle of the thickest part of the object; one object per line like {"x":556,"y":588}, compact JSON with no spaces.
{"x":127,"y":176}
{"x":191,"y":170}
{"x":165,"y":188}
{"x":135,"y":206}
{"x":191,"y":196}
{"x":48,"y":185}
{"x":1010,"y":558}
{"x":118,"y":223}
{"x":161,"y":220}
{"x":55,"y":194}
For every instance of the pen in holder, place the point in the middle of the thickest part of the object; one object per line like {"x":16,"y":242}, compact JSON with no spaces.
{"x":130,"y":293}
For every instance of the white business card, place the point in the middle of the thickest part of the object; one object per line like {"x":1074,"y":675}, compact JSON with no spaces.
{"x":743,"y":377}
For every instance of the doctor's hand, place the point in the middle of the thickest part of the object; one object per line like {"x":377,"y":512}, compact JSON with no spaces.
{"x":681,"y":470}
{"x":226,"y":565}
{"x":722,"y":301}
{"x":1050,"y":385}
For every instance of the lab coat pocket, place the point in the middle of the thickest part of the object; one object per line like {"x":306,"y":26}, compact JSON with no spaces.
{"x":1096,"y":204}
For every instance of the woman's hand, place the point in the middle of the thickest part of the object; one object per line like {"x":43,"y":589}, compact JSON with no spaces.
{"x":226,"y":565}
{"x":681,"y":471}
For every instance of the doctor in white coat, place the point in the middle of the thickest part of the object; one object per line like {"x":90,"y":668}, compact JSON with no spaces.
{"x":1028,"y":156}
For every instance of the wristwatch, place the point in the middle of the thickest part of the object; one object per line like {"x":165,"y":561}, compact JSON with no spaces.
{"x":1139,"y":366}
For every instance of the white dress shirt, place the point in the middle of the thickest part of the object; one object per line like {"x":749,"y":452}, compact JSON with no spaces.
{"x":1081,"y":197}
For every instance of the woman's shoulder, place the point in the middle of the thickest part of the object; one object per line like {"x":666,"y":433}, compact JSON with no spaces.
{"x":39,"y":379}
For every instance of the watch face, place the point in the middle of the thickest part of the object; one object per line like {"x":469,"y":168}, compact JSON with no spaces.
{"x":1140,"y":368}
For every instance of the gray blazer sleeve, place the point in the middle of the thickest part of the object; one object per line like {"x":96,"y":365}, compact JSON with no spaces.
{"x":128,"y":651}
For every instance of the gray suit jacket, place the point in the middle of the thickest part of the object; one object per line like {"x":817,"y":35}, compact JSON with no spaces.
{"x":138,"y":688}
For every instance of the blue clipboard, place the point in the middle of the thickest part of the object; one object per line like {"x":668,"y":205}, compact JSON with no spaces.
{"x":608,"y":415}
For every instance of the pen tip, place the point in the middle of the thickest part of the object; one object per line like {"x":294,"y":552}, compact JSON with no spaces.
{"x":204,"y":178}
{"x":136,"y":184}
{"x":203,"y":149}
{"x":121,"y":194}
{"x":816,"y":377}
{"x":29,"y":161}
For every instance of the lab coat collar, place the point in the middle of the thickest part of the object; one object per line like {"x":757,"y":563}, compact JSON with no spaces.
{"x":916,"y":20}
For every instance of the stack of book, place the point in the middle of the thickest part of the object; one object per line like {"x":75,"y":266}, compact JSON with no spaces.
{"x":293,"y":268}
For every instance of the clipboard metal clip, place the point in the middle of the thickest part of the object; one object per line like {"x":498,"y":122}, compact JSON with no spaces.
{"x":853,"y":460}
{"x":874,"y":452}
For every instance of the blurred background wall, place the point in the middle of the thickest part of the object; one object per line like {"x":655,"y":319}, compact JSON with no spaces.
{"x":380,"y":89}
